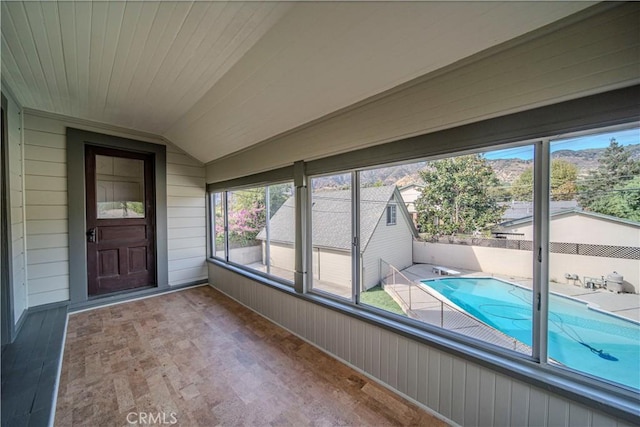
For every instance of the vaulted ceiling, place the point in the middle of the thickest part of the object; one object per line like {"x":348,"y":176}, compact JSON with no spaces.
{"x":218,"y":77}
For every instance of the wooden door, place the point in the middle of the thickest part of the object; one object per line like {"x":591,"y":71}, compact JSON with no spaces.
{"x":120,"y":220}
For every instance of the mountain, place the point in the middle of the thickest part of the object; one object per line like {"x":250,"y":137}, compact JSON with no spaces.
{"x":507,"y":170}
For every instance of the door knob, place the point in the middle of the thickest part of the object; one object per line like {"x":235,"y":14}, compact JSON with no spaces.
{"x":91,"y":235}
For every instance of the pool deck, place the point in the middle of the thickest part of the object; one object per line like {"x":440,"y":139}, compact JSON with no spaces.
{"x":624,"y":305}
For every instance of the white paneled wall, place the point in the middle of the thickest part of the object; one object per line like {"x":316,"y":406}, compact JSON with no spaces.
{"x":459,"y":390}
{"x":47,"y":215}
{"x":595,"y":55}
{"x":16,"y":193}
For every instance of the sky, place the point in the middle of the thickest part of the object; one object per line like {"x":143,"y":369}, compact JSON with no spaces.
{"x":600,"y":140}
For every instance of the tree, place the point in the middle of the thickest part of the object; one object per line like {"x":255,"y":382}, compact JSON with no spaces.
{"x":622,"y":202}
{"x":612,"y":188}
{"x":247,"y":213}
{"x":563,"y":182}
{"x":457,"y":197}
{"x":522,"y":187}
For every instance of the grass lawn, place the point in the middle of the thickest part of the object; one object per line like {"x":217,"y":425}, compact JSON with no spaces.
{"x":378,"y":298}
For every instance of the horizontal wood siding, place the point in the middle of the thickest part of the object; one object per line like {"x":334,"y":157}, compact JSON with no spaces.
{"x":391,"y":243}
{"x":46,"y":210}
{"x":592,"y":56}
{"x":16,"y":202}
{"x":282,"y":256}
{"x":462,"y":391}
{"x":333,"y":266}
{"x":186,"y":213}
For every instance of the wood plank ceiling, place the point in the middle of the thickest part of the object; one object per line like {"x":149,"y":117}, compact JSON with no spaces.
{"x":217,"y":77}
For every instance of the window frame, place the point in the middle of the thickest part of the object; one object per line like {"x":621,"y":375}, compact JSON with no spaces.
{"x":392,"y":214}
{"x":211,"y":221}
{"x":591,"y":114}
{"x":354,"y":179}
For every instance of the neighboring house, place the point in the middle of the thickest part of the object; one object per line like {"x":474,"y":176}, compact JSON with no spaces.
{"x":386,"y":232}
{"x":577,"y":226}
{"x":585,"y":244}
{"x":410,"y":194}
{"x":520,"y":209}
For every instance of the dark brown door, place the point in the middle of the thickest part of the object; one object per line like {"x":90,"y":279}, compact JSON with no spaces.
{"x":120,"y":220}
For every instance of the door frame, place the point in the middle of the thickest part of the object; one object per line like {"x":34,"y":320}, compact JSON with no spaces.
{"x":6,"y":260}
{"x":77,"y":140}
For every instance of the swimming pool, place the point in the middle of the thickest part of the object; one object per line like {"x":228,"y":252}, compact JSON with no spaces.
{"x":581,"y":338}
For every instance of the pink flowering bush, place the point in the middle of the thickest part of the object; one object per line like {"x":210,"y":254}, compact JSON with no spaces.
{"x":245,"y":224}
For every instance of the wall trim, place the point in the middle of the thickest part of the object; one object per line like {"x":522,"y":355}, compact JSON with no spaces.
{"x":605,"y":109}
{"x":20,"y":322}
{"x":258,"y":179}
{"x":44,"y":307}
{"x":6,"y":252}
{"x":56,"y":385}
{"x":106,"y":127}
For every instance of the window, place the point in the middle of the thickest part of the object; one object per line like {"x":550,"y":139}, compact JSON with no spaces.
{"x":594,"y":234}
{"x":119,"y":187}
{"x":469,"y":270}
{"x":391,"y":215}
{"x":218,"y":227}
{"x":246,"y":218}
{"x":279,"y":235}
{"x":331,"y":234}
{"x":467,"y":252}
{"x":255,"y":228}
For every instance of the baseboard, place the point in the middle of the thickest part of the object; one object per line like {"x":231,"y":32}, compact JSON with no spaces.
{"x":18,"y":326}
{"x":122,"y":298}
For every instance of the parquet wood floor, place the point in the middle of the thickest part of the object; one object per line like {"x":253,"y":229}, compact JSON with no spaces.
{"x":203,"y":360}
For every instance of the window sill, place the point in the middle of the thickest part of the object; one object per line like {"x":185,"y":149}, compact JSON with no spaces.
{"x":595,"y":394}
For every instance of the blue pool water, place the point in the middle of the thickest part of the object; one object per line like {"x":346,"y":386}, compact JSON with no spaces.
{"x":580,"y":338}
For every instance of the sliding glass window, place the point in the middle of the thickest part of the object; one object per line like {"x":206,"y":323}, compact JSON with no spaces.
{"x":331,"y":234}
{"x":278,"y":237}
{"x":260,"y":229}
{"x":594,"y":262}
{"x":246,"y":211}
{"x":450,"y":256}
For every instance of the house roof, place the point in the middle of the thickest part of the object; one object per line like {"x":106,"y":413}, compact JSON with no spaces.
{"x":331,"y":217}
{"x":576,"y":211}
{"x":410,"y":186}
{"x":520,"y":209}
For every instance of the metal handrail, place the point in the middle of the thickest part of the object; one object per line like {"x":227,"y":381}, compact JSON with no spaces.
{"x":393,"y":273}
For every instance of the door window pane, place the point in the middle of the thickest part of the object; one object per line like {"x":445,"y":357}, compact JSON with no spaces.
{"x":119,"y":187}
{"x":331,"y":234}
{"x":594,"y":261}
